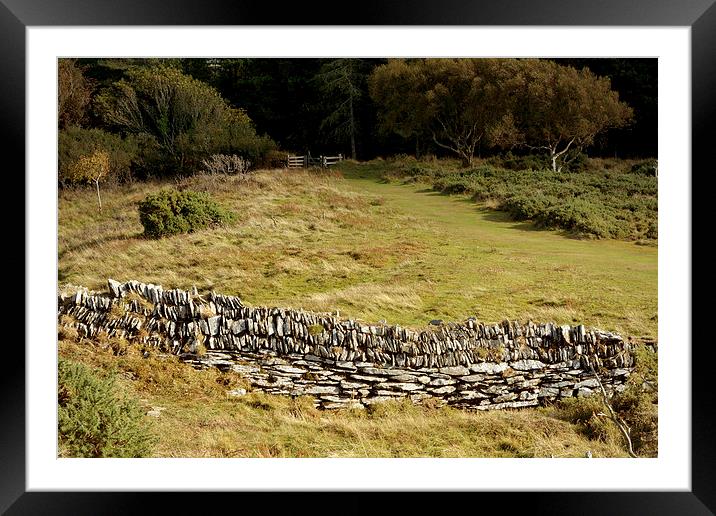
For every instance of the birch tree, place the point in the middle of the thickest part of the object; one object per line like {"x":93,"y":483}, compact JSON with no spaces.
{"x":91,"y":168}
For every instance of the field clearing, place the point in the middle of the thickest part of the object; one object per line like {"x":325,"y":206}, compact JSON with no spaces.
{"x":346,"y":240}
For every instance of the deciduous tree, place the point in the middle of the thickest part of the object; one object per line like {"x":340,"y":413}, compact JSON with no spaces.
{"x":458,"y":102}
{"x":74,"y":92}
{"x":560,"y":108}
{"x":91,"y":168}
{"x":188,"y":118}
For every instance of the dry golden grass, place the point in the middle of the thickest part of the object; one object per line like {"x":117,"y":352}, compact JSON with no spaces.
{"x":199,"y":419}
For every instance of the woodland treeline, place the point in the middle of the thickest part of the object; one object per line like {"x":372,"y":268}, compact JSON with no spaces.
{"x":163,"y":117}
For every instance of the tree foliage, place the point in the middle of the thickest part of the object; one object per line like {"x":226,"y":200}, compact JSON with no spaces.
{"x":561,"y":108}
{"x":74,"y":93}
{"x":461,"y":103}
{"x":188,"y":119}
{"x":305,"y":105}
{"x":636,"y":81}
{"x":393,"y":87}
{"x":91,"y":168}
{"x":124,"y":153}
{"x":342,"y":81}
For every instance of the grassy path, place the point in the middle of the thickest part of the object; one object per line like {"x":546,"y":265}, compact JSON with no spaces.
{"x":370,"y":249}
{"x":500,"y":267}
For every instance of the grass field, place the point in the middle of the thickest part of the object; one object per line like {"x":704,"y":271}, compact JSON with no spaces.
{"x":348,"y":240}
{"x":605,"y":200}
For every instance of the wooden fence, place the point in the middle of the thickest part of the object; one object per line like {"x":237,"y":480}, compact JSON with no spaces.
{"x":306,"y":161}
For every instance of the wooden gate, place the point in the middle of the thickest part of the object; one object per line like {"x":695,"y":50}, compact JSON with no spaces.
{"x":306,"y":161}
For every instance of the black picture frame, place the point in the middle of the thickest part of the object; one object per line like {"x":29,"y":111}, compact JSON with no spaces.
{"x":699,"y":15}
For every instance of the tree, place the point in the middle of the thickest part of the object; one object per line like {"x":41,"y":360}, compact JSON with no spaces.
{"x":188,"y":119}
{"x":280,"y":94}
{"x":458,"y":102}
{"x":636,"y":81}
{"x":393,"y":87}
{"x":91,"y":168}
{"x":74,"y":92}
{"x":342,"y":81}
{"x":560,"y":108}
{"x":125,"y":154}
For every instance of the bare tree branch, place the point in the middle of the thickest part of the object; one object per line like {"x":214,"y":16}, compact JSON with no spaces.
{"x":623,"y":428}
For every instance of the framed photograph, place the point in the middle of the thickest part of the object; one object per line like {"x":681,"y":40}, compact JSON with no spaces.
{"x":420,"y":262}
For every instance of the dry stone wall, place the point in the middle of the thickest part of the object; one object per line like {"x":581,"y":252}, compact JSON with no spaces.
{"x":347,"y":363}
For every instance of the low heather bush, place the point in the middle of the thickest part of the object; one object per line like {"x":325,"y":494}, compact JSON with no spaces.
{"x":646,"y":168}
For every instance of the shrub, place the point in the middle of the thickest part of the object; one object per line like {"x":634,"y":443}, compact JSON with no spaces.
{"x":170,"y":212}
{"x":258,"y":149}
{"x":225,"y":164}
{"x":274,"y":158}
{"x":528,"y":162}
{"x":584,"y":412}
{"x":576,"y":161}
{"x":75,"y":144}
{"x":187,"y":118}
{"x":93,"y":420}
{"x":646,"y":168}
{"x":527,"y":207}
{"x":636,"y":405}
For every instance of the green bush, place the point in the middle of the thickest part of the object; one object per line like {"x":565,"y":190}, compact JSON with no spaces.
{"x":75,"y":142}
{"x":527,"y":207}
{"x":186,"y":118}
{"x":577,"y":161}
{"x":646,"y":168}
{"x":511,"y":161}
{"x":94,"y":421}
{"x":170,"y":212}
{"x":273,"y":158}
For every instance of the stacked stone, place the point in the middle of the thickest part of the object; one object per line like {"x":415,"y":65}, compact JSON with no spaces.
{"x":348,"y":363}
{"x":480,"y":386}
